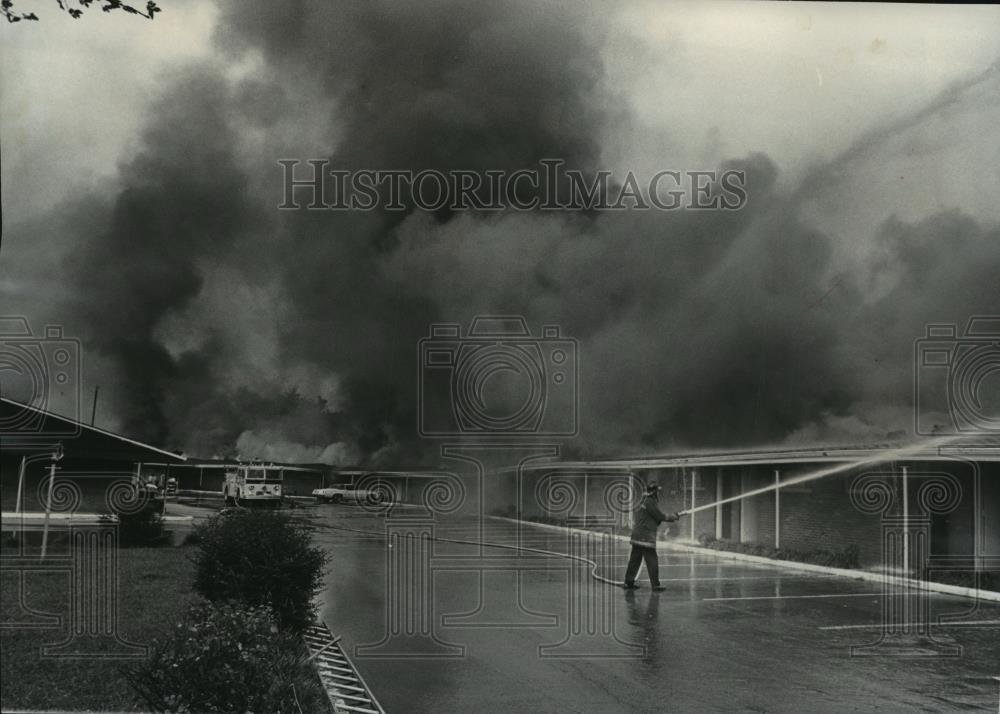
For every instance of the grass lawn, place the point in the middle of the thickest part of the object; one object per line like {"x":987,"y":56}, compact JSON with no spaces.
{"x":154,"y":587}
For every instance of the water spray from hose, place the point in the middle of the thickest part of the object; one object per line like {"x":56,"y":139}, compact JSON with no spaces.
{"x":881,"y":457}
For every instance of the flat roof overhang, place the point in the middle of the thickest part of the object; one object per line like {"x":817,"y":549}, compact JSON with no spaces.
{"x":861,"y":456}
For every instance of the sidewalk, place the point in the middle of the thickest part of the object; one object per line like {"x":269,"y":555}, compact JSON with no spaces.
{"x":866,"y":575}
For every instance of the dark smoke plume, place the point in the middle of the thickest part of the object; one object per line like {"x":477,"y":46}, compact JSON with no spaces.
{"x":181,"y":201}
{"x":697,"y":329}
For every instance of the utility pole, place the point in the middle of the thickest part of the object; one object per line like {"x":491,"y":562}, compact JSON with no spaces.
{"x":93,"y":409}
{"x":57,"y":455}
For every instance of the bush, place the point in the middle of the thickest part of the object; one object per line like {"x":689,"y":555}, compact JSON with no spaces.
{"x":142,"y":528}
{"x":260,"y":558}
{"x":507,"y":511}
{"x":226,"y":658}
{"x":848,"y":557}
{"x":983,"y":580}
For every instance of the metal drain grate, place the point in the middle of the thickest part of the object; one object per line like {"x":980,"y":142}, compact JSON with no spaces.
{"x":346,"y":688}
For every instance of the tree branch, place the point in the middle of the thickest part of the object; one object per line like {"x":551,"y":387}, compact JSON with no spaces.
{"x":8,"y":11}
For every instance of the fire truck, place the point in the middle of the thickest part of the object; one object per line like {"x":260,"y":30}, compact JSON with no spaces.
{"x":253,"y":484}
{"x":149,"y":484}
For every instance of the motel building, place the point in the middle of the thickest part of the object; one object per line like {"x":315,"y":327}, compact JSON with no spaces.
{"x":95,"y":470}
{"x":930,"y":512}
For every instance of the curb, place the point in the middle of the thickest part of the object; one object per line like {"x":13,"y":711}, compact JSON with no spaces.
{"x":82,"y":519}
{"x":865,"y":575}
{"x":218,"y":494}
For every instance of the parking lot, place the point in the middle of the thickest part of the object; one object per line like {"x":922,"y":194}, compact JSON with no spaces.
{"x":439,"y":625}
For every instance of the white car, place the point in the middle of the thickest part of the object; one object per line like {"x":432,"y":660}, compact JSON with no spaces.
{"x":339,"y":493}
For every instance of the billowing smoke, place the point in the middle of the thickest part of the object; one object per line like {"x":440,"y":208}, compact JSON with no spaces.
{"x":235,"y":327}
{"x":181,"y":201}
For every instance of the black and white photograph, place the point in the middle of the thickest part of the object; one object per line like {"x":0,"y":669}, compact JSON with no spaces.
{"x":388,"y":357}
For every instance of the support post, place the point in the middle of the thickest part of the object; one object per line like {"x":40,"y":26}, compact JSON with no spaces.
{"x":718,"y":504}
{"x":631,"y":478}
{"x":20,"y":484}
{"x":694,"y":484}
{"x":48,"y":507}
{"x":743,"y":507}
{"x":777,"y":509}
{"x":906,"y":523}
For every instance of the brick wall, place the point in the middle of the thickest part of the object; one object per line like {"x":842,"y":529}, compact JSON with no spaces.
{"x":819,"y":515}
{"x":756,"y":512}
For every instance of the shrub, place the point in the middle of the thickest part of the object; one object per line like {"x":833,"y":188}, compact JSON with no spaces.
{"x":142,"y":528}
{"x":227,"y":658}
{"x":260,"y":558}
{"x":984,"y":580}
{"x":848,"y":557}
{"x":548,"y":520}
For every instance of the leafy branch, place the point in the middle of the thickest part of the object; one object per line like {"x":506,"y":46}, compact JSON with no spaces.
{"x":8,"y":11}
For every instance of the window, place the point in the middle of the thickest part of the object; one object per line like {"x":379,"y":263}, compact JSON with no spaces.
{"x":255,"y":475}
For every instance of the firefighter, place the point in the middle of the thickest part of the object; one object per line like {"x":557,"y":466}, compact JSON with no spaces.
{"x":647,"y":519}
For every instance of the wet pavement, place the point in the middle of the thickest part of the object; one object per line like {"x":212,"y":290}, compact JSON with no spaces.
{"x":443,"y":626}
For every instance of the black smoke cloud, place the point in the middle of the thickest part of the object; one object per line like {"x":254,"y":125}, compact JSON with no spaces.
{"x":697,"y":329}
{"x":181,"y":201}
{"x":690,"y":323}
{"x":414,"y":87}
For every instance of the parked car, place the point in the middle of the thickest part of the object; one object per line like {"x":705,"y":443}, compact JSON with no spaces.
{"x":348,"y":492}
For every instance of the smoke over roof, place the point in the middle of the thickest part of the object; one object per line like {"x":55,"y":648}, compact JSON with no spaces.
{"x":227,"y":325}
